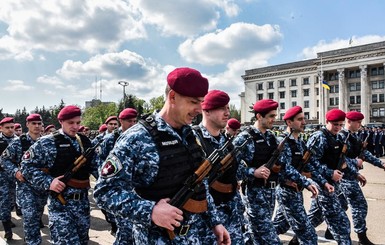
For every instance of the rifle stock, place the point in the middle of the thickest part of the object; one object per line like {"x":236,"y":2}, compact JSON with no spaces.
{"x":341,"y":160}
{"x":363,"y":148}
{"x":272,"y":163}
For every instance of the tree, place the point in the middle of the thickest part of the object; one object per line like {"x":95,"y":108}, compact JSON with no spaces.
{"x":93,"y":117}
{"x":235,"y":113}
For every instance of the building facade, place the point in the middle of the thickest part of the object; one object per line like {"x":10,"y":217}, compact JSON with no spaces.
{"x":355,"y":76}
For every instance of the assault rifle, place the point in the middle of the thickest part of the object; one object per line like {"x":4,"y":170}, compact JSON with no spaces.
{"x":272,"y":163}
{"x":363,"y":148}
{"x":213,"y":161}
{"x":342,"y":159}
{"x":76,"y":165}
{"x":305,"y":160}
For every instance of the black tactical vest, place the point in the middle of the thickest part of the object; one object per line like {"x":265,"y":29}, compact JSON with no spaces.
{"x":229,"y":177}
{"x":177,"y":163}
{"x":332,"y":153}
{"x":3,"y":144}
{"x":25,"y":143}
{"x":66,"y":156}
{"x":355,"y":145}
{"x":296,"y":154}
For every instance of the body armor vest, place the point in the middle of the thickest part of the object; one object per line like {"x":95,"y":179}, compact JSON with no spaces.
{"x":228,"y":177}
{"x":3,"y":146}
{"x":66,"y":156}
{"x":262,"y":154}
{"x":332,"y":154}
{"x":296,"y":154}
{"x":177,"y":163}
{"x":355,"y":145}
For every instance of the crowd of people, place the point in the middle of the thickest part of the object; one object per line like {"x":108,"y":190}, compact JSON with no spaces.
{"x":161,"y":180}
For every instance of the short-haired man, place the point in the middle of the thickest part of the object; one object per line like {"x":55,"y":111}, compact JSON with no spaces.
{"x":150,"y":163}
{"x":232,"y":127}
{"x":112,"y":124}
{"x":18,"y":129}
{"x":31,"y":200}
{"x":55,"y":153}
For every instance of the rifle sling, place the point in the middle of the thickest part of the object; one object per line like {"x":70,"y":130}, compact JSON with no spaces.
{"x":221,"y":187}
{"x":79,"y":184}
{"x":194,"y":206}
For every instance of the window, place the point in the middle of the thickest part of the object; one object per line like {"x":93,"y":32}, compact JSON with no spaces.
{"x":317,"y":91}
{"x":334,"y":101}
{"x":271,"y":96}
{"x":381,"y":70}
{"x":271,"y":85}
{"x":378,"y":112}
{"x":306,"y":81}
{"x":334,"y":89}
{"x":375,"y":112}
{"x":293,"y":103}
{"x":382,"y":111}
{"x":378,"y":84}
{"x":317,"y":103}
{"x":333,"y":76}
{"x":260,"y":96}
{"x":381,"y":98}
{"x":358,"y":99}
{"x":293,"y":93}
{"x":282,"y":95}
{"x":331,"y":101}
{"x":354,"y":74}
{"x":282,"y":84}
{"x":352,"y":100}
{"x":306,"y":104}
{"x":306,"y":92}
{"x":260,"y":86}
{"x":373,"y":71}
{"x":293,"y":82}
{"x":282,"y":105}
{"x":307,"y":115}
{"x":281,"y":115}
{"x":354,"y":86}
{"x":374,"y":98}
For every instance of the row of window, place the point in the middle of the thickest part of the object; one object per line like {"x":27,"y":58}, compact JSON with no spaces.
{"x":306,"y":104}
{"x":374,"y":71}
{"x":378,"y":112}
{"x":281,"y":83}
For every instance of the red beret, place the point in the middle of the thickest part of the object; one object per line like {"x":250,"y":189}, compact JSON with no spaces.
{"x":102,"y":128}
{"x":292,"y":112}
{"x":68,"y":112}
{"x":34,"y":117}
{"x":6,"y":120}
{"x":265,"y":105}
{"x":335,"y":115}
{"x":49,"y":127}
{"x":233,"y":123}
{"x":188,"y":82}
{"x":354,"y":115}
{"x":111,"y":118}
{"x":17,"y":125}
{"x":215,"y":99}
{"x":81,"y":129}
{"x":128,"y":113}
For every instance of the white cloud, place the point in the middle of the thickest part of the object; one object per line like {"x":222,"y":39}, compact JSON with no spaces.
{"x":237,"y":42}
{"x":49,"y":80}
{"x":185,"y":17}
{"x":17,"y":85}
{"x":322,"y":45}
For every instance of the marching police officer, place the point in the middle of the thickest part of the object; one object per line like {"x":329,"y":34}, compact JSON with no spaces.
{"x":44,"y":165}
{"x":150,"y":163}
{"x":232,"y":127}
{"x":31,"y":200}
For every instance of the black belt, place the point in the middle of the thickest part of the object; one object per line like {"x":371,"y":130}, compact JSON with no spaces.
{"x":75,"y":196}
{"x":270,"y":184}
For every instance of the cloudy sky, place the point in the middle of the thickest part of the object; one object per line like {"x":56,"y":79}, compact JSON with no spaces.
{"x":79,"y":50}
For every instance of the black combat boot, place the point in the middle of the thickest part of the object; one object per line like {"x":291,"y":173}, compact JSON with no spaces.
{"x":18,"y":211}
{"x":363,"y":239}
{"x":294,"y":240}
{"x":8,"y":230}
{"x":114,"y":228}
{"x":328,"y":234}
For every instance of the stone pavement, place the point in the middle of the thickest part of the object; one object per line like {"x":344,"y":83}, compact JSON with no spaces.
{"x":374,"y":192}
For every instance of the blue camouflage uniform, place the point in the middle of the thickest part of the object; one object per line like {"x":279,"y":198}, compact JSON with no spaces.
{"x":135,"y":177}
{"x":352,"y":193}
{"x":326,"y":150}
{"x":7,"y":184}
{"x":69,"y":223}
{"x":291,"y":211}
{"x":260,"y":193}
{"x":124,"y":233}
{"x":31,"y":200}
{"x":225,"y":191}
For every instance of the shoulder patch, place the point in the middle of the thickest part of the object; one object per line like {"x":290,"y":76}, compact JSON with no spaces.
{"x":6,"y":153}
{"x":111,"y":167}
{"x":28,"y":155}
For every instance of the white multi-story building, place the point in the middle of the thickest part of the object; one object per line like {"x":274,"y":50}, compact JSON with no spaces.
{"x":355,"y":76}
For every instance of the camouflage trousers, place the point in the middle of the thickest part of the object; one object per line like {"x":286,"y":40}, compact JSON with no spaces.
{"x":32,"y":206}
{"x":327,"y":207}
{"x":124,"y":233}
{"x":291,"y":213}
{"x":352,"y":195}
{"x":7,"y":195}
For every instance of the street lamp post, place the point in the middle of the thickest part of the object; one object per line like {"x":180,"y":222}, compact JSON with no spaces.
{"x":124,"y":85}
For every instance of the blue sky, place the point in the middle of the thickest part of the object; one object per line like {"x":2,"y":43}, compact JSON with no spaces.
{"x":64,"y":49}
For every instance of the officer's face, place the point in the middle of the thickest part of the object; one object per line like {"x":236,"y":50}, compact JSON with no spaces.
{"x":354,"y":125}
{"x":184,"y":108}
{"x":268,"y":120}
{"x":231,"y":131}
{"x":35,"y":127}
{"x":334,"y":127}
{"x":218,"y":118}
{"x":8,"y":129}
{"x":298,"y":123}
{"x":112,"y":125}
{"x":18,"y":131}
{"x":127,"y":123}
{"x":71,"y":126}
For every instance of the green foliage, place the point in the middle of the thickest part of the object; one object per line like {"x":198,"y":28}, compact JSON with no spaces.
{"x":95,"y":116}
{"x":235,"y":113}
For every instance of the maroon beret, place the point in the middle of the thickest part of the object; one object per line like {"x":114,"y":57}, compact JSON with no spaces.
{"x":265,"y":105}
{"x":49,"y":127}
{"x":111,"y":118}
{"x":81,"y":128}
{"x":34,"y":117}
{"x":188,"y":82}
{"x":7,"y":120}
{"x":128,"y":113}
{"x":292,"y":112}
{"x":215,"y":99}
{"x":102,"y":128}
{"x":335,"y":115}
{"x":68,"y":112}
{"x":354,"y":115}
{"x":17,"y":125}
{"x":233,"y":123}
